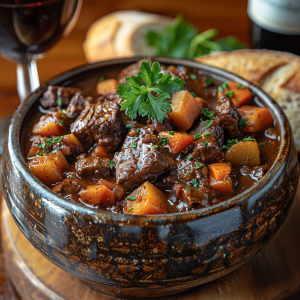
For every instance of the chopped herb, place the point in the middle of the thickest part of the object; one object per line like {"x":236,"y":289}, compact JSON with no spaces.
{"x":193,"y":76}
{"x":208,"y":123}
{"x":230,"y":143}
{"x":189,"y":157}
{"x":249,"y":139}
{"x":237,"y":100}
{"x":150,"y":159}
{"x":57,"y":139}
{"x":155,"y":146}
{"x":137,"y":130}
{"x":132,"y":197}
{"x":194,"y":94}
{"x":101,"y":78}
{"x":199,"y":165}
{"x":74,"y":116}
{"x":224,"y":255}
{"x":61,"y":122}
{"x":171,"y":132}
{"x":239,"y":87}
{"x":220,"y":89}
{"x":163,"y":141}
{"x":201,"y":120}
{"x":205,"y":144}
{"x":116,"y":153}
{"x":262,"y":144}
{"x":187,"y":173}
{"x":39,"y":153}
{"x":208,"y":81}
{"x":64,"y":112}
{"x":128,"y":126}
{"x":243,"y":123}
{"x":195,"y":182}
{"x":198,"y":135}
{"x":278,"y":147}
{"x":225,"y":85}
{"x":189,"y":188}
{"x":130,"y":209}
{"x":46,"y":152}
{"x":147,"y":93}
{"x":229,"y":93}
{"x":207,"y":113}
{"x":42,"y":146}
{"x":111,"y":163}
{"x":133,"y":145}
{"x":59,"y":102}
{"x":207,"y":134}
{"x":54,"y":151}
{"x":204,"y":91}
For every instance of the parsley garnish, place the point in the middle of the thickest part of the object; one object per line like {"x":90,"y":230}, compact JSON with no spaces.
{"x":133,"y":145}
{"x":208,"y":123}
{"x":205,"y":144}
{"x":64,"y":112}
{"x":198,"y":135}
{"x":128,"y":126}
{"x":240,"y":86}
{"x":207,"y":113}
{"x":39,"y":153}
{"x":189,"y":157}
{"x":137,"y":130}
{"x":155,"y":146}
{"x":171,"y":132}
{"x":193,"y":94}
{"x":249,"y":139}
{"x":163,"y":141}
{"x":194,"y":182}
{"x":101,"y":78}
{"x":61,"y":122}
{"x":237,"y":100}
{"x":189,"y":188}
{"x":130,"y":209}
{"x":116,"y":153}
{"x":230,"y":143}
{"x":59,"y":102}
{"x":54,"y":151}
{"x":229,"y":94}
{"x":132,"y":197}
{"x":243,"y":123}
{"x":204,"y":91}
{"x":224,"y":255}
{"x":199,"y":165}
{"x":187,"y":173}
{"x":225,"y":85}
{"x":146,"y":94}
{"x":193,"y":76}
{"x":208,"y":81}
{"x":220,"y":89}
{"x":262,"y":144}
{"x":111,"y":163}
{"x":49,"y":142}
{"x":207,"y":134}
{"x":74,"y":116}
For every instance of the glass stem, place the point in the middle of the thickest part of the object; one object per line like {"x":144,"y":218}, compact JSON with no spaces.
{"x":27,"y":77}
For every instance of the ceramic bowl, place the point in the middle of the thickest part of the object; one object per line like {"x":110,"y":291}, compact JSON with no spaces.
{"x":148,"y":256}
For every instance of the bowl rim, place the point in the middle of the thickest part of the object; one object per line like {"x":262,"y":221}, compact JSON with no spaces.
{"x":14,"y":149}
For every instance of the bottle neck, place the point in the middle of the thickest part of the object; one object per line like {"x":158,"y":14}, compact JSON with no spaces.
{"x":279,"y":16}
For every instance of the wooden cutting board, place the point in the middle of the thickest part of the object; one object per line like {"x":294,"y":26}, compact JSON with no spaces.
{"x":273,"y":274}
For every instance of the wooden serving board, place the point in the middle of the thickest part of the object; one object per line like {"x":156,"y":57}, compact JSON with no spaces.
{"x":273,"y":274}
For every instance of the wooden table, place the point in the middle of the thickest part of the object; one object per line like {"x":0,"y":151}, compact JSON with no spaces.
{"x":280,"y":260}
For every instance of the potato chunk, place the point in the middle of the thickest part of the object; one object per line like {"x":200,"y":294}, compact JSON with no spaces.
{"x":107,"y":87}
{"x":146,"y":200}
{"x":185,"y":109}
{"x":244,"y":153}
{"x":97,"y":195}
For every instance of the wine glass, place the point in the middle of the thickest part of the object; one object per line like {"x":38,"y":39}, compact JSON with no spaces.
{"x":28,"y":28}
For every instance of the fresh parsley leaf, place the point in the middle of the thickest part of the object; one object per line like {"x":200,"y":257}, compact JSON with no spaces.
{"x":189,"y":188}
{"x":207,"y":113}
{"x":128,"y":126}
{"x":132,"y":197}
{"x":171,"y":132}
{"x":59,"y":102}
{"x":133,"y":145}
{"x":193,"y":94}
{"x":262,"y":144}
{"x":237,"y":100}
{"x":243,"y":123}
{"x":193,"y":76}
{"x":46,"y":152}
{"x":207,"y":134}
{"x":239,"y":87}
{"x":137,"y":130}
{"x":205,"y":144}
{"x":42,"y":146}
{"x":208,"y":81}
{"x":54,"y":151}
{"x":187,"y":173}
{"x":225,"y":85}
{"x":74,"y":116}
{"x":111,"y":163}
{"x":61,"y":122}
{"x":189,"y":157}
{"x":198,"y":135}
{"x":204,"y":91}
{"x":220,"y":89}
{"x":230,"y":143}
{"x":163,"y":141}
{"x":249,"y":139}
{"x":138,"y":92}
{"x":102,"y":78}
{"x":39,"y":153}
{"x":129,"y":210}
{"x":199,"y":165}
{"x":64,"y":112}
{"x":229,"y":93}
{"x":155,"y":146}
{"x":208,"y":123}
{"x":117,"y":152}
{"x":224,"y":255}
{"x":194,"y":182}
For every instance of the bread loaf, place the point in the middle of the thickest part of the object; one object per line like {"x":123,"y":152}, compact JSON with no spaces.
{"x":278,"y":73}
{"x":122,"y":34}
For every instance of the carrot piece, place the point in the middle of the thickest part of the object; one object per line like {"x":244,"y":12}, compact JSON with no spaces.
{"x":51,"y":124}
{"x":222,"y":186}
{"x":242,"y":95}
{"x":118,"y":190}
{"x":219,"y":171}
{"x":258,"y":118}
{"x":100,"y":151}
{"x":185,"y":109}
{"x":47,"y":168}
{"x":73,"y":143}
{"x":97,"y":195}
{"x":146,"y":200}
{"x":177,"y":141}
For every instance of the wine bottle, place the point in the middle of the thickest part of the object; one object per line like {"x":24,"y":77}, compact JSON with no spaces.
{"x":275,"y":25}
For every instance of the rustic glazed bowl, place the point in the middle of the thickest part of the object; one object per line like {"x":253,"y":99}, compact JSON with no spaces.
{"x":148,"y":256}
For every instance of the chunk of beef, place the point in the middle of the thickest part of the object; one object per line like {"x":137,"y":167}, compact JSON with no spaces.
{"x":228,"y":116}
{"x":207,"y":149}
{"x":256,"y":173}
{"x":188,"y":169}
{"x":70,"y":188}
{"x":92,"y":166}
{"x":54,"y":93}
{"x":109,"y":98}
{"x":100,"y":123}
{"x":214,"y":129}
{"x":78,"y":103}
{"x":139,"y":160}
{"x":197,"y":197}
{"x":166,"y":125}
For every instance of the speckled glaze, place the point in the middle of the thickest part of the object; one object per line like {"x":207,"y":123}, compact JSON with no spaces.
{"x":148,"y":256}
